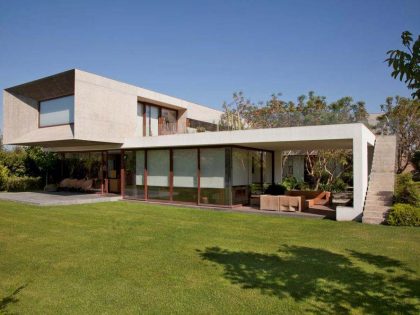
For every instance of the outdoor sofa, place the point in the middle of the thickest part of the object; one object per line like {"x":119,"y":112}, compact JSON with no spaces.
{"x":282,"y":203}
{"x":72,"y":184}
{"x":312,"y":197}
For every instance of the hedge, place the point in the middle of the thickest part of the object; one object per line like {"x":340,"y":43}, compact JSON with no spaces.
{"x":15,"y":183}
{"x":404,"y":215}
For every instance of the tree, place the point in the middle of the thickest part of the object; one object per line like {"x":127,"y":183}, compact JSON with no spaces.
{"x":310,"y":109}
{"x":44,"y":160}
{"x":406,"y":64}
{"x":402,"y":118}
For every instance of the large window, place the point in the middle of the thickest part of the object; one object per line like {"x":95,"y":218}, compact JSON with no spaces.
{"x":152,"y":120}
{"x":185,"y":175}
{"x":134,"y":179}
{"x":241,"y":175}
{"x":158,"y":174}
{"x":169,"y":122}
{"x":58,"y":111}
{"x":213,"y":176}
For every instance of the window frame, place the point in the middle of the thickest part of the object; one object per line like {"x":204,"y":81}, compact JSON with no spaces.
{"x":49,"y":99}
{"x":160,"y":117}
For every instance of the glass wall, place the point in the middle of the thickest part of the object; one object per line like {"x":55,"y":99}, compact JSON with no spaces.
{"x":83,"y":165}
{"x":241,"y":178}
{"x":214,"y":188}
{"x":58,"y":111}
{"x":158,"y":167}
{"x":134,"y":174}
{"x":185,"y":175}
{"x":227,"y":175}
{"x":268,"y":167}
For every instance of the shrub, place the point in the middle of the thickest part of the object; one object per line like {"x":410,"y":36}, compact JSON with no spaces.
{"x":14,"y":160}
{"x":290,"y":183}
{"x":406,"y":190}
{"x":404,"y":215}
{"x":338,"y":185}
{"x":275,"y":189}
{"x":14,"y":183}
{"x":4,"y":174}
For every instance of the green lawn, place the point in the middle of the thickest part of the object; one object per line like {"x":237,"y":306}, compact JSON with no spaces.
{"x":127,"y":257}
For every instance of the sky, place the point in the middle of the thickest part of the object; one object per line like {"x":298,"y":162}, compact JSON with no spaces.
{"x":203,"y":51}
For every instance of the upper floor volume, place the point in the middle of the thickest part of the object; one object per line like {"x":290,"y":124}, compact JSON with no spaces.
{"x":76,"y":108}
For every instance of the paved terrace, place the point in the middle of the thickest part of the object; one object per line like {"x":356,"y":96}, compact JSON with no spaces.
{"x":56,"y":198}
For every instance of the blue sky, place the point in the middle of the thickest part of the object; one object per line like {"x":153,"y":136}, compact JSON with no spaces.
{"x":203,"y":51}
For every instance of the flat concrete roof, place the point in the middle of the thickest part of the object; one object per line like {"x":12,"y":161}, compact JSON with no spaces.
{"x":293,"y":138}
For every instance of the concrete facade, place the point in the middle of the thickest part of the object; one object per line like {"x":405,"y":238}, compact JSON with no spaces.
{"x":106,"y":118}
{"x":99,"y":103}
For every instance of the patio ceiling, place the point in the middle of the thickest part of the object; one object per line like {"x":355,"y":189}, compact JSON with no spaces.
{"x":57,"y":85}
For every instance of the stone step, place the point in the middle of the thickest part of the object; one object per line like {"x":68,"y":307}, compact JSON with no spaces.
{"x":378,"y":198}
{"x":368,"y":220}
{"x":381,"y":187}
{"x":377,"y":208}
{"x":387,"y":173}
{"x":370,"y":203}
{"x":376,"y":211}
{"x":382,"y":168}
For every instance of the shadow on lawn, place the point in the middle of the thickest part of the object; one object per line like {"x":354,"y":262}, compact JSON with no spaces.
{"x":331,"y":283}
{"x":10,"y":299}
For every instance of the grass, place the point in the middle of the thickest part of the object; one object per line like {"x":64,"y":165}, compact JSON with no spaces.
{"x":136,"y":258}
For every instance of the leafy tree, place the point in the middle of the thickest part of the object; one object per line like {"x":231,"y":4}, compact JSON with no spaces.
{"x":44,"y":160}
{"x":310,"y":109}
{"x":406,"y":64}
{"x":14,"y":160}
{"x":402,"y":118}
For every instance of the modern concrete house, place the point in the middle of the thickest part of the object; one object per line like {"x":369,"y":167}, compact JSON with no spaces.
{"x":150,"y":146}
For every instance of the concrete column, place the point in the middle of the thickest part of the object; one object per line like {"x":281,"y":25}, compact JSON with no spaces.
{"x":360,"y":172}
{"x":182,"y":121}
{"x":278,"y":168}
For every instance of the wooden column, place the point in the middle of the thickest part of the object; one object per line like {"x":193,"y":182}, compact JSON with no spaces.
{"x":262,"y":171}
{"x":198,"y":176}
{"x":122,"y":174}
{"x":145,"y":175}
{"x":171,"y":174}
{"x":106,"y":172}
{"x":102,"y":174}
{"x":272,"y":167}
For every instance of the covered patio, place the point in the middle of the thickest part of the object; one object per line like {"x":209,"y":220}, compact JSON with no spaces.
{"x":355,"y":137}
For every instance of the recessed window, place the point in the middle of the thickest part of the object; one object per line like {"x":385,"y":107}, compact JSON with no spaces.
{"x":58,"y":111}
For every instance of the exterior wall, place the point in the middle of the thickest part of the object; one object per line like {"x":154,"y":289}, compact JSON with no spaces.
{"x":104,"y":111}
{"x":20,"y":116}
{"x":20,"y":122}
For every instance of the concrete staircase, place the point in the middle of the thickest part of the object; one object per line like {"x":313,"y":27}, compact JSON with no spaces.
{"x":380,"y":191}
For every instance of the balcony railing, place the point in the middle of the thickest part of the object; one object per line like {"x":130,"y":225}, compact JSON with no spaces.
{"x":166,"y":128}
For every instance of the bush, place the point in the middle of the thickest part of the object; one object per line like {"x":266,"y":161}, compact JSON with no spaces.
{"x":337,"y":186}
{"x":290,"y":183}
{"x":275,"y":190}
{"x":14,"y":183}
{"x":404,"y":215}
{"x":14,"y":160}
{"x":406,"y":190}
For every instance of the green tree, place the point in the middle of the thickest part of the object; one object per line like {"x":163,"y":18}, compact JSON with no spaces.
{"x":44,"y":160}
{"x":402,"y":118}
{"x":406,"y":64}
{"x":310,"y":109}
